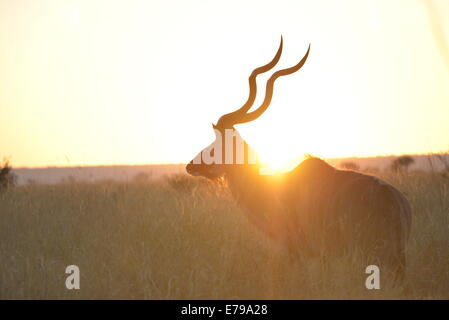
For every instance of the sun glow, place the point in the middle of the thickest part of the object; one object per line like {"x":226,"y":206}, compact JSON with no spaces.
{"x":278,"y":165}
{"x":140,"y":81}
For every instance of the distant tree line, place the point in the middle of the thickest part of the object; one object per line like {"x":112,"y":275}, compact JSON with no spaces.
{"x":400,"y":164}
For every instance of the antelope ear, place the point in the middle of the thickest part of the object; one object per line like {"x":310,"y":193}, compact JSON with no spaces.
{"x":214,"y":126}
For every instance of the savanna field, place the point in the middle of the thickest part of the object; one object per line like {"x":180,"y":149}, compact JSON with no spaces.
{"x":186,"y":238}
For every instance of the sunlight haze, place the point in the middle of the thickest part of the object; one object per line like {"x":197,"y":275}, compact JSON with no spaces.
{"x":139,"y":82}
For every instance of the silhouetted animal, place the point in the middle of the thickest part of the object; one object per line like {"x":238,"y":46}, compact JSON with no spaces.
{"x":314,"y":208}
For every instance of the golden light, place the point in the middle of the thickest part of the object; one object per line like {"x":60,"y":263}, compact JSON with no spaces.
{"x":140,"y":82}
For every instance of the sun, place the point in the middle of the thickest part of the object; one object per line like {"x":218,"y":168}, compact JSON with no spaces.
{"x":275,"y":162}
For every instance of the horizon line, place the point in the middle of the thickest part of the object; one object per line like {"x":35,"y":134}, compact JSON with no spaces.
{"x":182,"y":163}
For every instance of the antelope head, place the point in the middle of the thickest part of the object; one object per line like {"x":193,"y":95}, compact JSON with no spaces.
{"x":229,"y":149}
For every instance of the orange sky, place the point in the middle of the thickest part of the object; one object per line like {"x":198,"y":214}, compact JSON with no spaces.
{"x":134,"y":82}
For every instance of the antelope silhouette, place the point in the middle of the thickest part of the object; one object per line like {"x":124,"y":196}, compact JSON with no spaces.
{"x":314,"y":207}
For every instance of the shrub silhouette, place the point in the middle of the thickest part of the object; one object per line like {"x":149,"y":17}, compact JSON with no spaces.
{"x":444,"y":159}
{"x":7,"y":177}
{"x":402,"y":163}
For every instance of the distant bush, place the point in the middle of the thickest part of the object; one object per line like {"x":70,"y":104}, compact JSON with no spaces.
{"x":444,"y":159}
{"x":7,"y":177}
{"x":349,"y":165}
{"x":402,"y":163}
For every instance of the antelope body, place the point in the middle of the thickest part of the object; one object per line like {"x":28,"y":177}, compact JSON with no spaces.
{"x":314,"y":207}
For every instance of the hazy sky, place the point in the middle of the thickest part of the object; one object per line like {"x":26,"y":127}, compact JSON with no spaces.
{"x":127,"y":82}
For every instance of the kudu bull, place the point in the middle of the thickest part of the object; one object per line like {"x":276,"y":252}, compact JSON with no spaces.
{"x":314,"y":207}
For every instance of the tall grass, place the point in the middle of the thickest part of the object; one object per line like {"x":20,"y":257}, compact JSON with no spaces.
{"x":185,"y":238}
